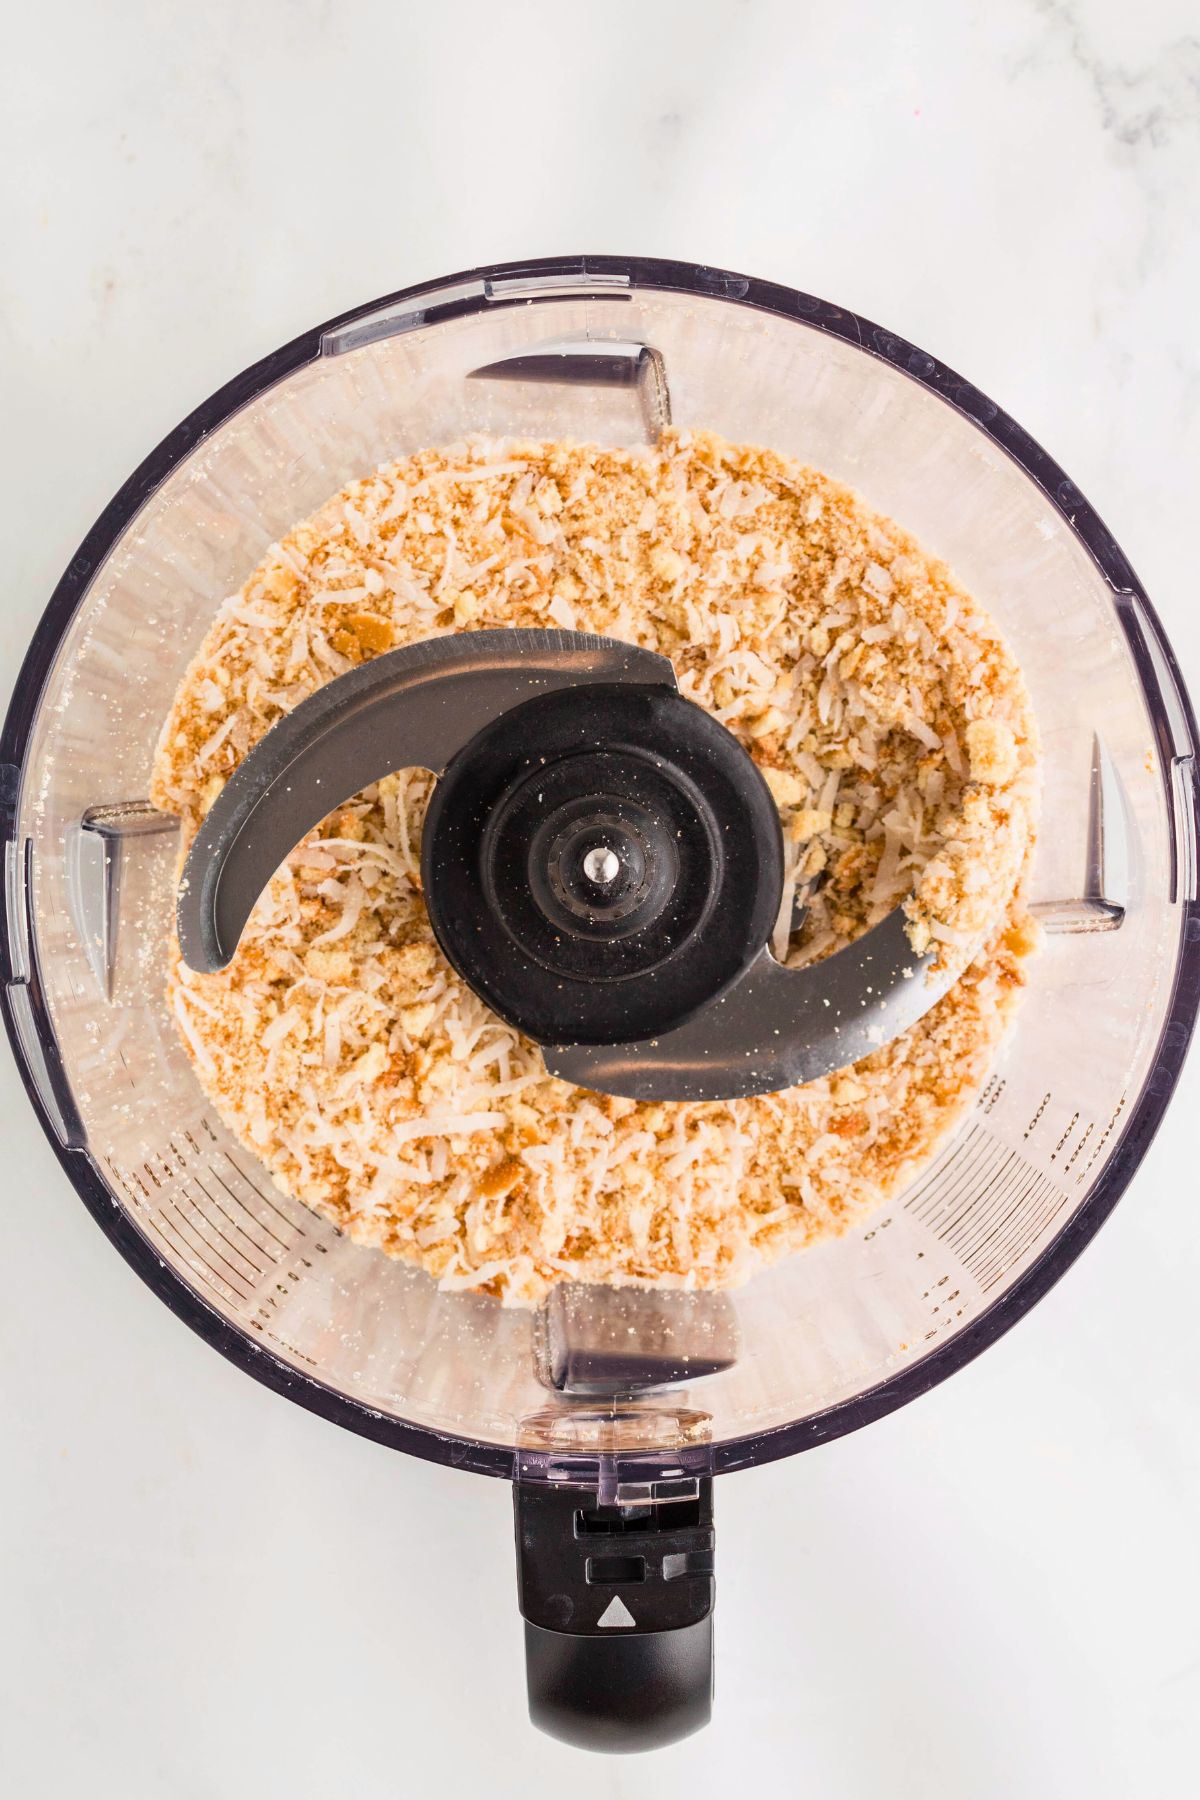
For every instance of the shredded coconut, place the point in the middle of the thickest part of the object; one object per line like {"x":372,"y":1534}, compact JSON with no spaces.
{"x":894,"y":732}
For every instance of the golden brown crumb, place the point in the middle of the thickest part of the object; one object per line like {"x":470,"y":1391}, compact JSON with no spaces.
{"x":328,"y":965}
{"x":786,"y":788}
{"x":888,"y":719}
{"x":373,"y":632}
{"x":502,"y":1178}
{"x":992,"y":750}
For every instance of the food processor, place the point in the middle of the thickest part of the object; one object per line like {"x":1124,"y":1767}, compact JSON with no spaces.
{"x":609,"y":1410}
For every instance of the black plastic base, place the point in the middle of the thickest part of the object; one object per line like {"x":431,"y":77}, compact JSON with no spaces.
{"x":670,"y":793}
{"x":621,"y":1694}
{"x":617,"y":1601}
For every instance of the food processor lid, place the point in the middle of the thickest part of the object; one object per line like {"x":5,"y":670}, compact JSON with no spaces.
{"x":601,"y":860}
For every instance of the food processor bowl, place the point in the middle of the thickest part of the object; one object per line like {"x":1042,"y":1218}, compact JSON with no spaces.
{"x":608,"y":1405}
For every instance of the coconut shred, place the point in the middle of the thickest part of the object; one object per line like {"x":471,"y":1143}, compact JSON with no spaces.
{"x":888,"y":719}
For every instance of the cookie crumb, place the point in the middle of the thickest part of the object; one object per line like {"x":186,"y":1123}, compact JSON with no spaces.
{"x":342,"y":1050}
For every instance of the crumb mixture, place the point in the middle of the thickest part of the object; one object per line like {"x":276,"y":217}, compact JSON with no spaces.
{"x":892,"y":727}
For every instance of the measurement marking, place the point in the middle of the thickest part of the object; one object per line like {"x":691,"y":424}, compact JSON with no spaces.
{"x":986,"y":1233}
{"x":1037,"y":1117}
{"x":160,"y":1224}
{"x":234,"y":1250}
{"x":991,"y":1094}
{"x":914,"y":1199}
{"x":225,"y":1214}
{"x":965,"y":1189}
{"x":1011,"y":1173}
{"x":1103,"y":1139}
{"x":194,"y":1231}
{"x":941,"y":1204}
{"x":999,"y":1226}
{"x":236,"y":1273}
{"x":1026,"y":1183}
{"x":927,"y":1193}
{"x":1074,"y":1156}
{"x":1049,"y":1203}
{"x":1009,"y":1191}
{"x":1047,"y":1206}
{"x":997,"y":1253}
{"x":1050,"y":1206}
{"x":252,"y":1184}
{"x":291,"y":1349}
{"x":1055,"y":1201}
{"x":928,"y":1180}
{"x":994,"y":1253}
{"x":1012,"y":1247}
{"x":1066,"y":1134}
{"x":1006,"y":1166}
{"x":152,"y":1224}
{"x":239,"y":1202}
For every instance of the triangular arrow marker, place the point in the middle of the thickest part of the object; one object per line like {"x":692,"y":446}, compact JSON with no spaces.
{"x":616,"y":1613}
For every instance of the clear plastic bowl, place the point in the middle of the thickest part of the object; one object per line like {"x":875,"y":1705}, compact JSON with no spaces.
{"x":821,"y":1343}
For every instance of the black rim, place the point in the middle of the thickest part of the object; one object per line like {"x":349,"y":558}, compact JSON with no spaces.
{"x":240,"y":1347}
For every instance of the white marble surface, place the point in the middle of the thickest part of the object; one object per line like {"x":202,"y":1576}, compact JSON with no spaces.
{"x":208,"y":1594}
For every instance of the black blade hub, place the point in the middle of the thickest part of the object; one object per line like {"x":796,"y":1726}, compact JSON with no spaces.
{"x":600,"y":863}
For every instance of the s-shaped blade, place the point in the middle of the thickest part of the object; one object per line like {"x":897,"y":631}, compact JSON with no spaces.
{"x":774,"y":1027}
{"x":415,"y":707}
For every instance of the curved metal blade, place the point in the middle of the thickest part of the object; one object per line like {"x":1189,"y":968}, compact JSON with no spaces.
{"x":415,"y":707}
{"x":774,"y":1028}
